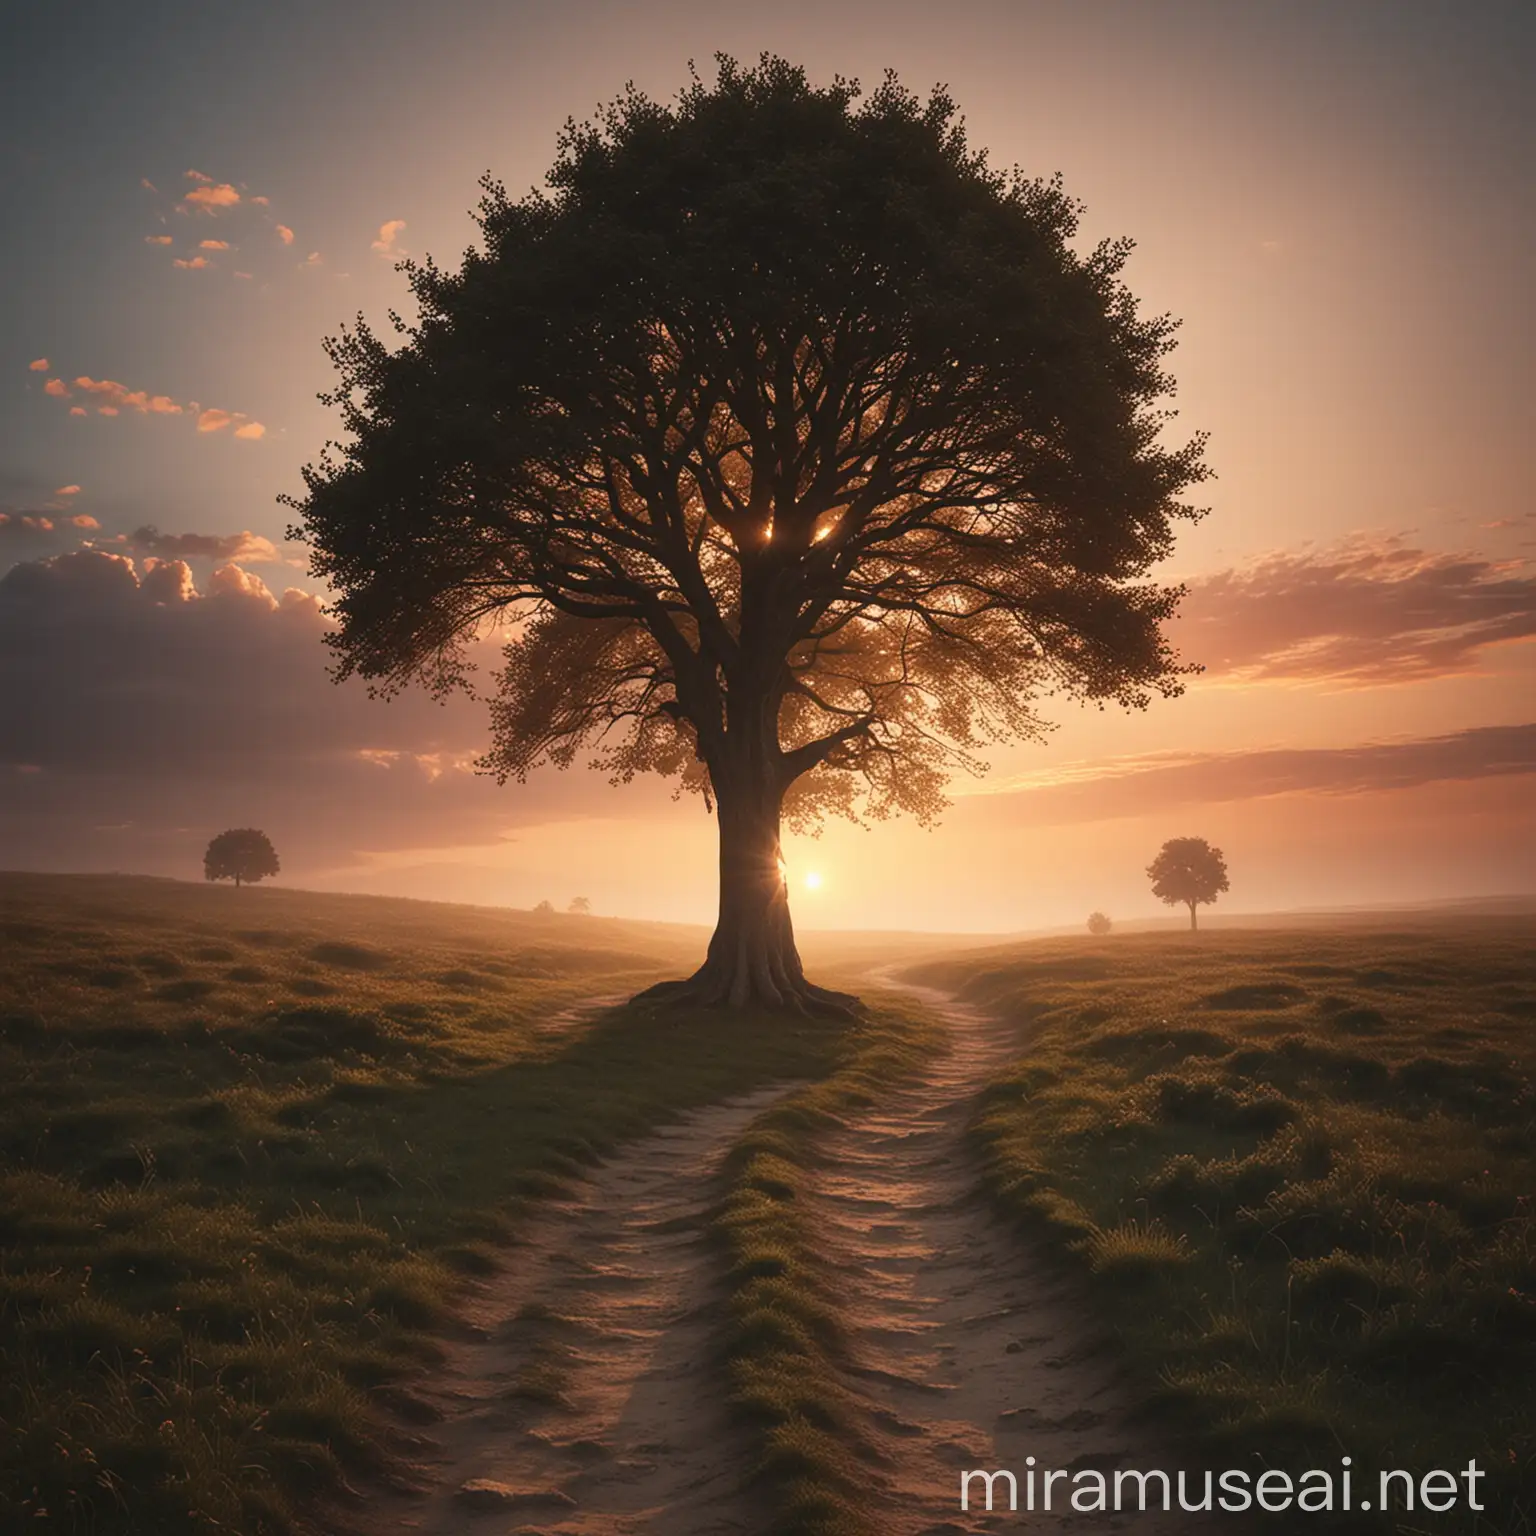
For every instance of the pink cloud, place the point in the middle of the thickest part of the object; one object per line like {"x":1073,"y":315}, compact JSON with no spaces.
{"x":146,"y":183}
{"x":224,"y":547}
{"x":78,"y":410}
{"x":213,"y":245}
{"x":57,"y":388}
{"x":251,"y":431}
{"x":196,"y":264}
{"x":67,"y":490}
{"x":198,"y":176}
{"x":1362,"y":612}
{"x":38,"y":365}
{"x":83,"y":520}
{"x":389,"y":233}
{"x":243,"y":274}
{"x":157,"y":239}
{"x":214,"y":420}
{"x":285,"y":234}
{"x":262,"y":202}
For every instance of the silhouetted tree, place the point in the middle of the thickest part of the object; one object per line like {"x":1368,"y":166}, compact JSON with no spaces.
{"x":544,"y":909}
{"x":802,"y":447}
{"x":242,"y":854}
{"x":1188,"y":872}
{"x":1098,"y":924}
{"x":581,"y":905}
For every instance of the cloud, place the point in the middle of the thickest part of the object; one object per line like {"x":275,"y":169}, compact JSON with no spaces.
{"x":261,"y":202}
{"x":285,"y":234}
{"x":78,"y":410}
{"x":146,"y":183}
{"x":82,"y":520}
{"x":211,"y":198}
{"x":198,"y":176}
{"x":110,"y":398}
{"x":213,"y":245}
{"x":38,"y":365}
{"x":389,"y":233}
{"x":142,"y":699}
{"x":196,"y":264}
{"x":243,"y":274}
{"x":157,"y":239}
{"x":1359,"y":613}
{"x":312,"y":260}
{"x":67,"y":490}
{"x":1145,"y":785}
{"x":225,"y":547}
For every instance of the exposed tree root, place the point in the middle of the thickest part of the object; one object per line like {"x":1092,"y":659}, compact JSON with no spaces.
{"x":712,"y":986}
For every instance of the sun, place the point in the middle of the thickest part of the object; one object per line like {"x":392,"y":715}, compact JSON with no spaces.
{"x":813,"y":880}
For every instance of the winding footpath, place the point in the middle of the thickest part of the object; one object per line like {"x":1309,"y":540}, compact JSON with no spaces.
{"x":585,"y":1396}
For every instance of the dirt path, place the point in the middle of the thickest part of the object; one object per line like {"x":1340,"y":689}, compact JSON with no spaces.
{"x":587,"y":1401}
{"x":973,"y":1354}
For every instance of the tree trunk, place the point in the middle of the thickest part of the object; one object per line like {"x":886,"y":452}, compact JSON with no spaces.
{"x":752,"y":960}
{"x":237,"y":882}
{"x":1193,"y":925}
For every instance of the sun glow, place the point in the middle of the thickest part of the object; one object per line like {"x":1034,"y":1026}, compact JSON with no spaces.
{"x":813,"y":880}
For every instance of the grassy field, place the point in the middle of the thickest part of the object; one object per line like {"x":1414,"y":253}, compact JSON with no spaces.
{"x":1301,"y":1168}
{"x":250,"y":1143}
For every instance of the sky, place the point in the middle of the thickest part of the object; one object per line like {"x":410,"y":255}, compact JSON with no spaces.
{"x":1336,"y":199}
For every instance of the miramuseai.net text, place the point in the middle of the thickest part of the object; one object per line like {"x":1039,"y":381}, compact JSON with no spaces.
{"x":1319,"y":1491}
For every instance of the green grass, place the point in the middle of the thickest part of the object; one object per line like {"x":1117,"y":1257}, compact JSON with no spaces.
{"x":1301,"y":1169}
{"x":786,"y":1337}
{"x":252,"y":1142}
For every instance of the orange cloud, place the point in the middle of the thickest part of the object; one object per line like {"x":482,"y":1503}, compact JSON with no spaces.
{"x":213,"y":245}
{"x":198,"y":176}
{"x":67,"y":490}
{"x":82,"y":520}
{"x":157,"y":239}
{"x":389,"y":233}
{"x":114,"y":396}
{"x":109,"y":398}
{"x":262,"y":202}
{"x":215,"y":420}
{"x":196,"y":264}
{"x":144,"y":181}
{"x":285,"y":234}
{"x":210,"y":199}
{"x":38,"y":365}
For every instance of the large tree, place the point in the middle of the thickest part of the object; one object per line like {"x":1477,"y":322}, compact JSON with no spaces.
{"x":800,"y":447}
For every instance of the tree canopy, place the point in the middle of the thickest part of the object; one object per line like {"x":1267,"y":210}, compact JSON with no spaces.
{"x":1188,"y":872}
{"x":798,"y":445}
{"x":241,"y":854}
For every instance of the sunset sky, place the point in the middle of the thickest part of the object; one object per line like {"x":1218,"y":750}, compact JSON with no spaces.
{"x":1336,"y":198}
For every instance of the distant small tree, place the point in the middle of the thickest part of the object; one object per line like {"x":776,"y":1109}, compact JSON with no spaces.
{"x":242,"y":854}
{"x":1098,"y":924}
{"x":544,"y":909}
{"x":581,"y":905}
{"x":1188,"y":872}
